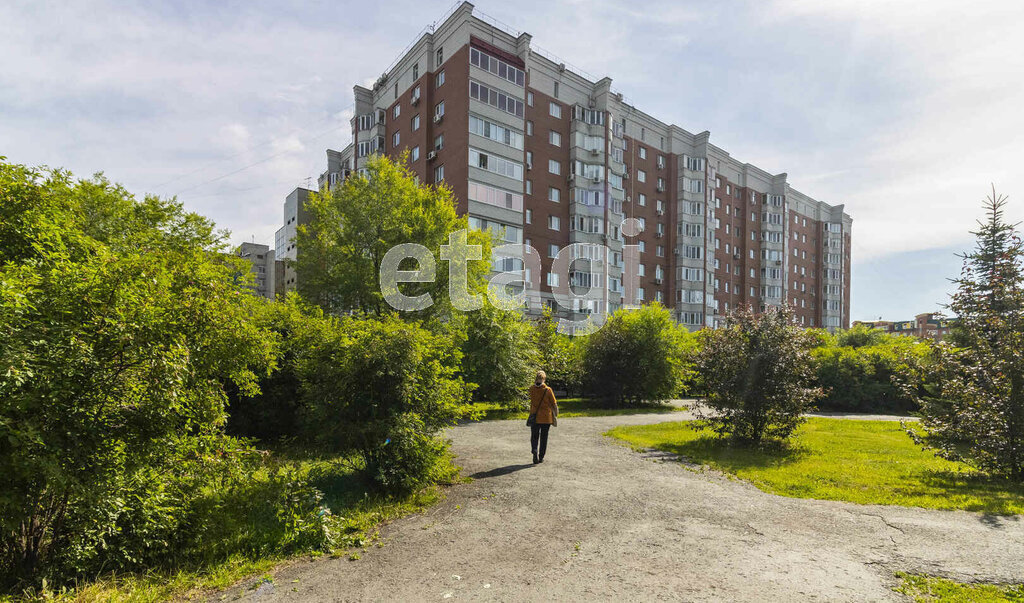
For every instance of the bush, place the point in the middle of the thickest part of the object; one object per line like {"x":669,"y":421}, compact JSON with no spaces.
{"x":381,"y":390}
{"x":499,"y":356}
{"x":758,"y":372}
{"x":559,"y":355}
{"x":862,"y":370}
{"x":120,"y":323}
{"x":638,"y":355}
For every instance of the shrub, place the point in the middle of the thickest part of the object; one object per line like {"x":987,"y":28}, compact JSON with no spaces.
{"x":498,"y":355}
{"x":559,"y":355}
{"x":865,"y":371}
{"x":757,"y":371}
{"x":637,"y":355}
{"x":380,"y":389}
{"x":120,"y":323}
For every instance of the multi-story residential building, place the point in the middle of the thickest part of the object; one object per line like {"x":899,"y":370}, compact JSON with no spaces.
{"x":284,"y":238}
{"x":548,"y":157}
{"x":264,"y":267}
{"x":926,"y":326}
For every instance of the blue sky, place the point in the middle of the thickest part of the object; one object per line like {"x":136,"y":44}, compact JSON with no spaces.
{"x":905,"y":111}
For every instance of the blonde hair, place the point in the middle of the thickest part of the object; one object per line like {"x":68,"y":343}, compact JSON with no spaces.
{"x":542,"y":376}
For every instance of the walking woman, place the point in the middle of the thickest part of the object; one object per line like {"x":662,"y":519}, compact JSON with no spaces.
{"x":543,"y":414}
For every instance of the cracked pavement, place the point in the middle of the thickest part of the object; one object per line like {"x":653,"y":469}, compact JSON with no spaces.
{"x":598,"y":521}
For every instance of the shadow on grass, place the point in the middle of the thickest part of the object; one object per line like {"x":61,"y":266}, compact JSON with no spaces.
{"x":999,"y":499}
{"x":731,"y":456}
{"x":500,"y":471}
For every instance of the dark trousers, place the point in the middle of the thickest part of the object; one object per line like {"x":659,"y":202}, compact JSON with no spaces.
{"x":539,"y":432}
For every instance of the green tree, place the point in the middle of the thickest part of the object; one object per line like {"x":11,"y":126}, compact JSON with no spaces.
{"x":121,"y":321}
{"x":559,"y":355}
{"x":637,"y":355}
{"x":977,"y":411}
{"x":758,"y":375}
{"x":499,"y":356}
{"x":352,"y":228}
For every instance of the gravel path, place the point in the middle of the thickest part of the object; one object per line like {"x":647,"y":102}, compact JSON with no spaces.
{"x":598,"y":521}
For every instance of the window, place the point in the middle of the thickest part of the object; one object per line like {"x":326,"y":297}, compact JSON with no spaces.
{"x":396,"y":89}
{"x":643,"y":152}
{"x":415,"y":71}
{"x":659,"y":251}
{"x":555,"y":93}
{"x":497,"y":197}
{"x":641,"y":270}
{"x":591,"y":116}
{"x":552,"y":279}
{"x":555,"y":138}
{"x":554,"y":223}
{"x":415,"y":154}
{"x":529,"y":216}
{"x":529,"y":160}
{"x":552,"y":250}
{"x":506,"y":232}
{"x":661,"y":162}
{"x":439,"y":142}
{"x":439,"y":173}
{"x":498,"y":165}
{"x":440,"y":56}
{"x":439,"y":79}
{"x":487,"y":129}
{"x":554,"y":166}
{"x":416,"y":122}
{"x":529,"y":98}
{"x":554,"y":194}
{"x":396,"y":111}
{"x":395,"y":139}
{"x":496,"y":99}
{"x":555,"y":110}
{"x":641,"y":176}
{"x":695,"y":163}
{"x":641,"y":200}
{"x":695,"y":186}
{"x":439,"y":109}
{"x":529,"y":187}
{"x":497,"y":67}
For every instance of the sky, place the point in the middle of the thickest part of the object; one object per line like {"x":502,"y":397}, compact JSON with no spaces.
{"x":907,"y":112}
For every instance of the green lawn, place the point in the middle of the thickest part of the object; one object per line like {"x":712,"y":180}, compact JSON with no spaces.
{"x":866,"y":462}
{"x":925,"y":589}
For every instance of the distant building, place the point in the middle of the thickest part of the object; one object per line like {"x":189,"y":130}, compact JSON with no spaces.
{"x":926,"y":326}
{"x":264,"y":267}
{"x":284,"y":239}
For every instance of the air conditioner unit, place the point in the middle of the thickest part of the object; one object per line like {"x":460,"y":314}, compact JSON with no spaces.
{"x":625,"y":175}
{"x":592,"y":102}
{"x":529,"y":165}
{"x":431,"y":155}
{"x":661,"y":188}
{"x":438,"y":117}
{"x":736,"y":256}
{"x":778,"y":262}
{"x":415,"y":99}
{"x":594,"y":152}
{"x":659,"y":234}
{"x":657,"y":281}
{"x":597,"y":179}
{"x":660,"y":212}
{"x":571,"y":179}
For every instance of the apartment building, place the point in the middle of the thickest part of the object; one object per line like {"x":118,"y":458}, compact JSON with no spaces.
{"x":548,"y":157}
{"x":265,"y":267}
{"x":284,"y":239}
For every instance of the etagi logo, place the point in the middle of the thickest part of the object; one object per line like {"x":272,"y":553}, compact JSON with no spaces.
{"x":581,"y":278}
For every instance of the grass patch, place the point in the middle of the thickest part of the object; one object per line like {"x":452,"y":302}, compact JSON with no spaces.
{"x":358,"y":511}
{"x":865,"y":462}
{"x":572,"y":407}
{"x":926,"y":589}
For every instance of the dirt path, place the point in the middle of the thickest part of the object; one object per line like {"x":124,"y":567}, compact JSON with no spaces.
{"x":597,"y":521}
